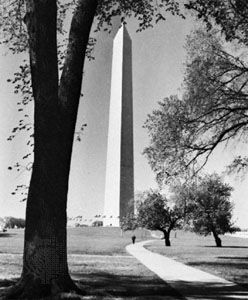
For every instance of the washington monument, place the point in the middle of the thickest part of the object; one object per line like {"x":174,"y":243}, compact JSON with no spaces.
{"x":119,"y":186}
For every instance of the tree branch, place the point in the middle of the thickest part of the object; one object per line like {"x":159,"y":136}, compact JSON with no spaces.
{"x":71,"y":78}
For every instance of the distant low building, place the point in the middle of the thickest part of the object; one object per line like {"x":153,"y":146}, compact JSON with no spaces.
{"x":97,"y":224}
{"x":81,"y":221}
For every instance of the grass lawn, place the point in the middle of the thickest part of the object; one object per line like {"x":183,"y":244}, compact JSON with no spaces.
{"x":98,"y":263}
{"x":101,"y":240}
{"x":229,"y":262}
{"x":84,"y":240}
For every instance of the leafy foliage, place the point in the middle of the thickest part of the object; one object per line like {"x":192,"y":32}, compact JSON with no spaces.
{"x":213,"y":110}
{"x":13,"y":16}
{"x":146,"y":12}
{"x":231,"y":16}
{"x":182,"y":194}
{"x":238,"y":166}
{"x":13,"y":13}
{"x":166,"y":154}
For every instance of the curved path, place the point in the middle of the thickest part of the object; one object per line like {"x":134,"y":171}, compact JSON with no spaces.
{"x":192,"y":283}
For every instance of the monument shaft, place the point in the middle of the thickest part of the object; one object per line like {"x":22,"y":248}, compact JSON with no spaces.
{"x":119,"y":187}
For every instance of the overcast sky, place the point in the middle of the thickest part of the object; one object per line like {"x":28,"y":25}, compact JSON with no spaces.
{"x":158,"y":57}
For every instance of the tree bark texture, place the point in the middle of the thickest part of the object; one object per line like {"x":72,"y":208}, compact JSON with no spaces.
{"x":45,"y":269}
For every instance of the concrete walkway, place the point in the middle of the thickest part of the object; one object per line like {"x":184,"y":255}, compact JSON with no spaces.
{"x":192,"y":283}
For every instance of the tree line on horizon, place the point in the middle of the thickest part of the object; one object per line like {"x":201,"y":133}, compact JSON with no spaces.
{"x":12,"y":222}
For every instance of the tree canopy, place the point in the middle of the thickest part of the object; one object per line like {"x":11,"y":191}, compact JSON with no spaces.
{"x":13,"y":16}
{"x":213,"y":110}
{"x":229,"y":15}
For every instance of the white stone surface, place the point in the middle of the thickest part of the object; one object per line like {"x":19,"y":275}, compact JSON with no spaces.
{"x":112,"y":181}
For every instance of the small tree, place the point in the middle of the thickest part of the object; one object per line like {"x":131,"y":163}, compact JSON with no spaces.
{"x":212,"y":211}
{"x":154,"y":213}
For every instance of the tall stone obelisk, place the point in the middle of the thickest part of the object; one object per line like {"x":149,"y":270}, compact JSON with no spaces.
{"x":119,"y":186}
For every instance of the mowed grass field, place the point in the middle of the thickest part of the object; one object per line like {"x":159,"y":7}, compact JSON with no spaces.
{"x":81,"y":240}
{"x":229,"y":262}
{"x":102,"y":240}
{"x":98,"y":263}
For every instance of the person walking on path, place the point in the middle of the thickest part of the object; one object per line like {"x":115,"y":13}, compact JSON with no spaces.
{"x":133,"y":239}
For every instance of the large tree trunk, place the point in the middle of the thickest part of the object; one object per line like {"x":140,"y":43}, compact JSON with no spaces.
{"x":45,"y":269}
{"x":217,"y":239}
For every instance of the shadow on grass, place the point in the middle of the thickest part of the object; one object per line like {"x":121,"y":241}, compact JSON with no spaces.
{"x":233,"y":257}
{"x":103,"y":284}
{"x":4,"y":234}
{"x":115,"y":286}
{"x":7,"y":282}
{"x":234,"y":247}
{"x":240,"y":279}
{"x":210,"y":290}
{"x":221,"y":264}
